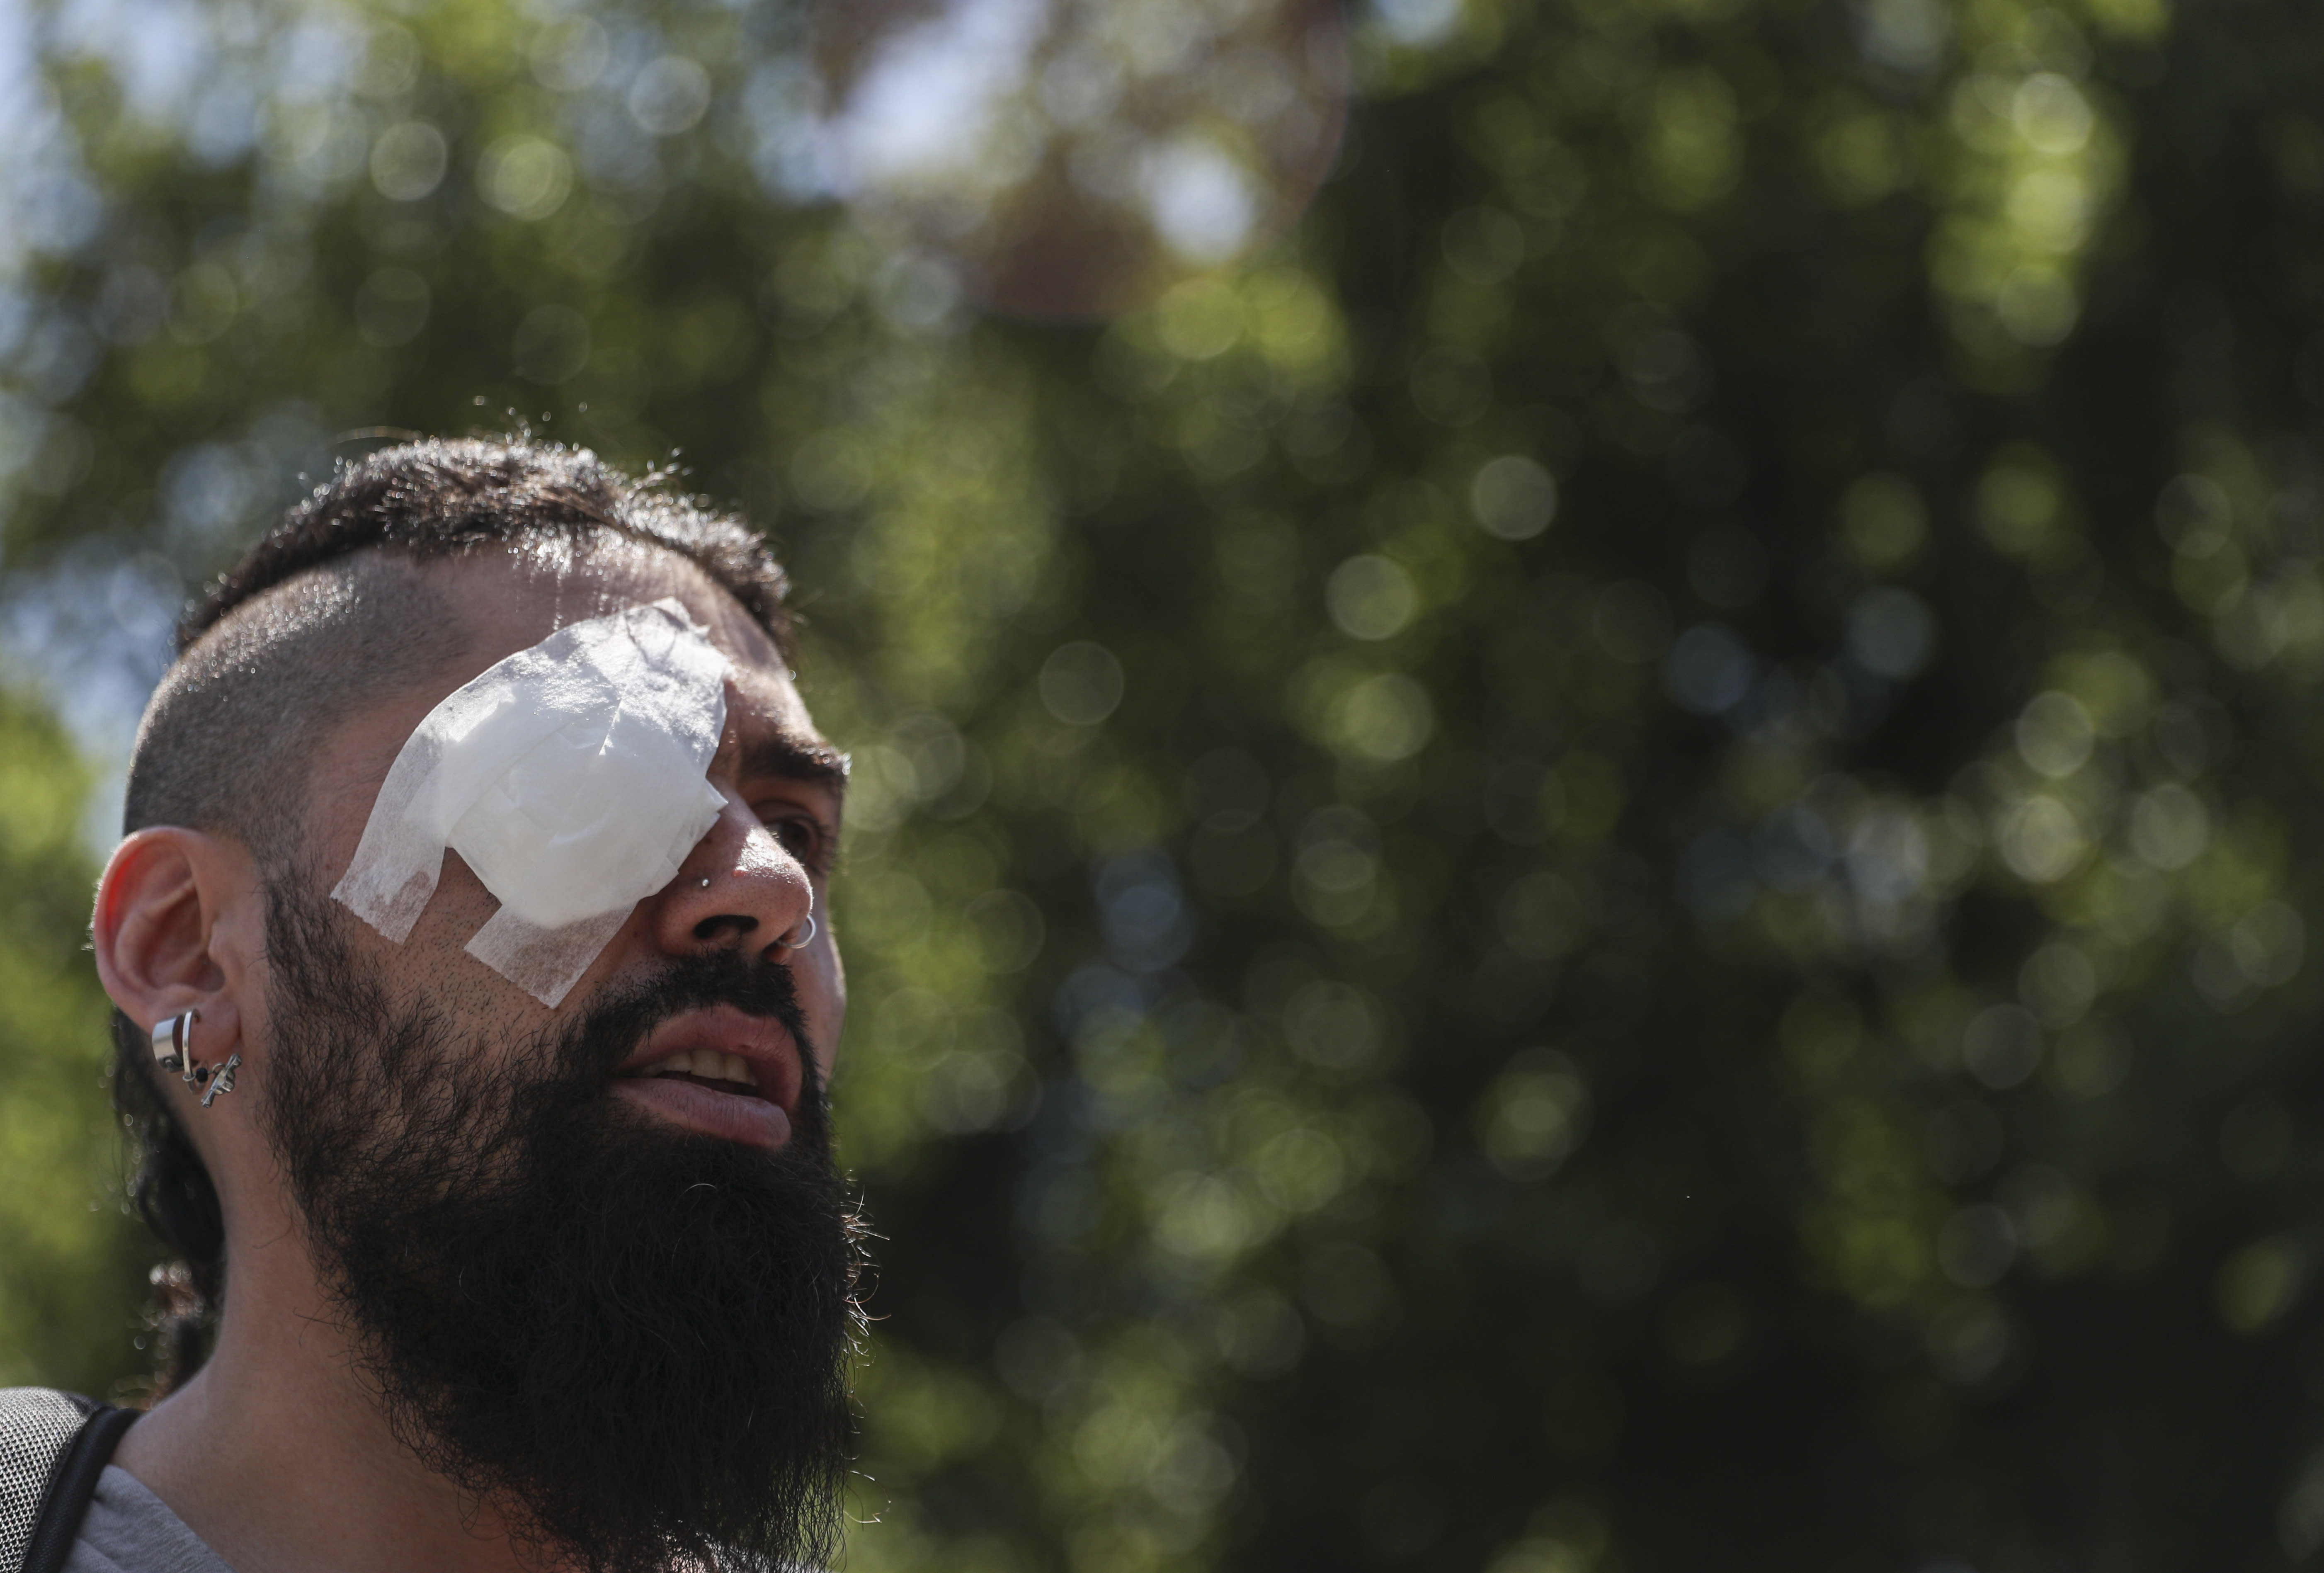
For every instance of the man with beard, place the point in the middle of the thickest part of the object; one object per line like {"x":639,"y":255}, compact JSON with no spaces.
{"x":477,"y":1004}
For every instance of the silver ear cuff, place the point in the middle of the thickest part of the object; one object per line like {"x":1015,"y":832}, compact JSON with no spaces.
{"x":171,"y":1038}
{"x":804,"y":941}
{"x":173,"y":1050}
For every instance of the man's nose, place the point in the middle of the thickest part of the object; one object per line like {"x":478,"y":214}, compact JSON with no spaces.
{"x":739,"y":889}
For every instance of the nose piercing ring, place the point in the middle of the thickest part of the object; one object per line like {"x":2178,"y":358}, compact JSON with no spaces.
{"x":804,"y":941}
{"x":705,"y":881}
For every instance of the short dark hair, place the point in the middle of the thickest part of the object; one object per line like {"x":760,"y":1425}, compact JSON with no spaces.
{"x":323,"y":617}
{"x":325,"y":614}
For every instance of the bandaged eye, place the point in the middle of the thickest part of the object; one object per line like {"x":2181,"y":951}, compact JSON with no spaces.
{"x":572,"y":777}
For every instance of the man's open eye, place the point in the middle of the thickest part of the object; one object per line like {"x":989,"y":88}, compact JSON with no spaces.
{"x":804,"y":837}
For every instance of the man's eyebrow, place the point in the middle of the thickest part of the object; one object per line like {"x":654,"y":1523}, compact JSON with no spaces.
{"x":789,"y":757}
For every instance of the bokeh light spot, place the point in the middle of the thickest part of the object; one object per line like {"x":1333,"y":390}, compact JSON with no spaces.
{"x":2169,"y":827}
{"x":408,"y":161}
{"x":1081,"y":683}
{"x":1371,"y":598}
{"x":669,"y":96}
{"x":525,"y":177}
{"x":1513,"y":497}
{"x":1077,"y":160}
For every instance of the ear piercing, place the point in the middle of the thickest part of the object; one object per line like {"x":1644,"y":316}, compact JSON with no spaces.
{"x":172,"y":1038}
{"x":173,"y":1050}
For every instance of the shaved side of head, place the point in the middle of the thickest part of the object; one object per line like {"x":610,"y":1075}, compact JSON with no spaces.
{"x":231,"y":731}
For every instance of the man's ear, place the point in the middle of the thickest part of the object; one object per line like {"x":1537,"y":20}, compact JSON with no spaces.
{"x":177,"y":925}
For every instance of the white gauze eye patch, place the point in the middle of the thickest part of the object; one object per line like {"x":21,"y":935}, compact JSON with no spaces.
{"x":573,"y":777}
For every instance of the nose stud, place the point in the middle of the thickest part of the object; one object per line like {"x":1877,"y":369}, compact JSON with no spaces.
{"x":805,"y":932}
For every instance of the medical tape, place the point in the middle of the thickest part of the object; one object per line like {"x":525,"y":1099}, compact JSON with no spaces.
{"x":572,"y":777}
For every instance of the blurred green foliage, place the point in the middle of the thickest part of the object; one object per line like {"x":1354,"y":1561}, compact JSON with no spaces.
{"x":71,"y":1264}
{"x":1603,"y":865}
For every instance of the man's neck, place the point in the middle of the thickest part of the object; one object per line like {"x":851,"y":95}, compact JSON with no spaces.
{"x":277,"y":1454}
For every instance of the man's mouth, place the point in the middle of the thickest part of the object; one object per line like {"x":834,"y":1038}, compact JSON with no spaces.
{"x":718,"y":1072}
{"x":710,"y":1068}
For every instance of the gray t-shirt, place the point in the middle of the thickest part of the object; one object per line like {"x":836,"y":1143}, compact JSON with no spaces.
{"x":129,"y":1530}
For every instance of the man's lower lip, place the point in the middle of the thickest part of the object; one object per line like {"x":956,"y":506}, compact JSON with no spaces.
{"x":753,"y":1122}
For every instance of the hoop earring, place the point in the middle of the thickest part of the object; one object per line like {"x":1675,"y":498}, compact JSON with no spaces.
{"x":804,"y":941}
{"x":173,"y":1050}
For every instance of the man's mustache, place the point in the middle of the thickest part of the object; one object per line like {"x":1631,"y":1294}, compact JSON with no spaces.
{"x":616,"y":1020}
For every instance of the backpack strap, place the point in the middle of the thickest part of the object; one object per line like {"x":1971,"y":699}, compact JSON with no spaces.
{"x":54,"y":1446}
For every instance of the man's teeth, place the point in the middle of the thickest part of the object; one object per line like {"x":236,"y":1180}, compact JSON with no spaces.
{"x":710,"y":1064}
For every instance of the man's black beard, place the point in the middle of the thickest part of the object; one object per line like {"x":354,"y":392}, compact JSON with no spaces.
{"x":635,"y":1337}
